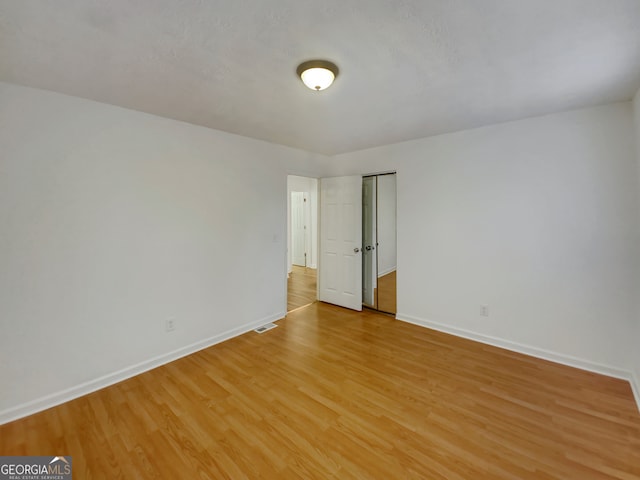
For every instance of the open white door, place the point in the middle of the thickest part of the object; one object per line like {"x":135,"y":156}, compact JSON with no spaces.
{"x":340,"y":273}
{"x":298,"y":227}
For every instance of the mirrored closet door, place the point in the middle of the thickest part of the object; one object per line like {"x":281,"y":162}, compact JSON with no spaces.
{"x":379,"y":242}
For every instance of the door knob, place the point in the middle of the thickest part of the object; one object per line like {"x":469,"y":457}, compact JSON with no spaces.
{"x":356,"y":250}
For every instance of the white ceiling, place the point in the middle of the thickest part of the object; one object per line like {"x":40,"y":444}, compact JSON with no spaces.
{"x":408,"y":68}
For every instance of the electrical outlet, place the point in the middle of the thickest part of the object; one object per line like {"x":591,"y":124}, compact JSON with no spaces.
{"x":484,"y":310}
{"x":170,"y":325}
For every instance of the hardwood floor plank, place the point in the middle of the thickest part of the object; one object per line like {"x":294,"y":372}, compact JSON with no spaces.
{"x":301,"y":287}
{"x":386,"y":293}
{"x":335,"y":394}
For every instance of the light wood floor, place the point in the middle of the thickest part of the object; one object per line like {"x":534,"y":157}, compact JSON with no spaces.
{"x":386,"y":293}
{"x":335,"y":394}
{"x":301,"y":287}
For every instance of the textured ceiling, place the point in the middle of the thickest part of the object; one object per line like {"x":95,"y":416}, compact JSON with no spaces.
{"x":408,"y":68}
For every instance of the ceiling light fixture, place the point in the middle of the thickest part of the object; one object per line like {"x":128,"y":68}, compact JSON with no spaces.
{"x":317,"y":74}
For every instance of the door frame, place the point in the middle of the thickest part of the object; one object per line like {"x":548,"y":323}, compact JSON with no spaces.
{"x":316,"y":233}
{"x":306,"y":220}
{"x":313,"y":209}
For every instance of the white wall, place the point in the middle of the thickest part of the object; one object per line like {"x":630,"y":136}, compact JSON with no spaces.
{"x":296,"y":183}
{"x":635,"y":342}
{"x":369,"y":239}
{"x":536,"y":219}
{"x":112,"y":221}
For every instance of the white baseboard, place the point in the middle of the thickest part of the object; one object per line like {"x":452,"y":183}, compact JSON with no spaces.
{"x":631,"y":377}
{"x":386,"y":272}
{"x":634,"y":380}
{"x":43,"y":403}
{"x":525,"y":349}
{"x":54,"y":399}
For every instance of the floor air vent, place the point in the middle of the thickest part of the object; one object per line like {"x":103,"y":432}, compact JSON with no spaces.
{"x":266,"y":327}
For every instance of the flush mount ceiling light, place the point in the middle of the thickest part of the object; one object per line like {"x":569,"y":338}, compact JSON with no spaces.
{"x":317,"y":74}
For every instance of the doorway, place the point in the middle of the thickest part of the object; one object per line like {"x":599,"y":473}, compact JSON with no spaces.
{"x":302,"y":243}
{"x":300,"y":228}
{"x":358,"y":242}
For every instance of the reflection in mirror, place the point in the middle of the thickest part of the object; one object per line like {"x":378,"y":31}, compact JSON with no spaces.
{"x":386,"y":238}
{"x":369,"y":270}
{"x":379,"y":242}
